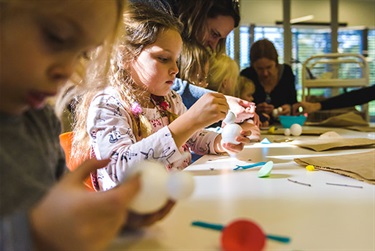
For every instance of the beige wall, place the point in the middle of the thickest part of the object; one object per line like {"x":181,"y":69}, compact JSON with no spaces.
{"x":267,"y":12}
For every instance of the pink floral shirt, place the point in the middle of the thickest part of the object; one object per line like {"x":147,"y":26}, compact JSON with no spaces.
{"x":110,"y":128}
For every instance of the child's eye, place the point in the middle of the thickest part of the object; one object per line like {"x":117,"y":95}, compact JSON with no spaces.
{"x":86,"y":55}
{"x":163,"y":59}
{"x":54,"y":38}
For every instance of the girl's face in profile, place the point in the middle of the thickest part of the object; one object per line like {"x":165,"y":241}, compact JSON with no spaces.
{"x":156,"y":66}
{"x":42,"y":42}
{"x":247,"y":92}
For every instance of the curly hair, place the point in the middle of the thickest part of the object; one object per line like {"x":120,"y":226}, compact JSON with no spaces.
{"x":142,"y":26}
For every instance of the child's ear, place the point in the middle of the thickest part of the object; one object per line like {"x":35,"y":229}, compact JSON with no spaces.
{"x":224,"y":83}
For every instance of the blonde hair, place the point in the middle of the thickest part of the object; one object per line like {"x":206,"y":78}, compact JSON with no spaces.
{"x":223,"y":68}
{"x":143,"y":24}
{"x":193,"y":60}
{"x":95,"y":68}
{"x":244,"y":82}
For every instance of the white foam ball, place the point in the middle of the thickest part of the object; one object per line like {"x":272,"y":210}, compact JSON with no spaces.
{"x":296,"y":129}
{"x":230,"y":133}
{"x":180,"y":185}
{"x":275,"y":112}
{"x":153,"y":193}
{"x":230,"y":118}
{"x":287,"y":132}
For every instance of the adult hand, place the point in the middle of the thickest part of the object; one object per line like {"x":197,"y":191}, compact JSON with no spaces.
{"x":286,"y":110}
{"x":265,"y":108}
{"x":70,"y":217}
{"x":241,"y":108}
{"x":264,"y":120}
{"x":307,"y":107}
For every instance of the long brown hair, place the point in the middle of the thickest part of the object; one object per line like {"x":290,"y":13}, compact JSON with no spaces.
{"x":142,"y":26}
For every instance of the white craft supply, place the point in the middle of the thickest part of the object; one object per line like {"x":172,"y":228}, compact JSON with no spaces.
{"x":153,"y":192}
{"x":180,"y":185}
{"x":158,"y":185}
{"x":230,"y":133}
{"x":287,"y":132}
{"x":231,"y":130}
{"x":296,"y":129}
{"x":230,"y":118}
{"x":277,"y":111}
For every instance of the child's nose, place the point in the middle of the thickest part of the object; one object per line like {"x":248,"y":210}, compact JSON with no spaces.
{"x":62,"y":71}
{"x":174,"y":69}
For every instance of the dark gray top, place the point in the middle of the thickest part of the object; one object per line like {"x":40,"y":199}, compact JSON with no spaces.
{"x":31,"y":161}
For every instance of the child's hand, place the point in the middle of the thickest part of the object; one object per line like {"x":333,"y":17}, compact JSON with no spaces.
{"x":250,"y":129}
{"x":230,"y":148}
{"x":209,"y":109}
{"x":70,"y":217}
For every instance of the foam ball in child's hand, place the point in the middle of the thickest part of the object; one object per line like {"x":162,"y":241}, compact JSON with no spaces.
{"x":180,"y":185}
{"x":230,"y":118}
{"x":153,"y":192}
{"x":287,"y":132}
{"x":296,"y":129}
{"x":230,"y":133}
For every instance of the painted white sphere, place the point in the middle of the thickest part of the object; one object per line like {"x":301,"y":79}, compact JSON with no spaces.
{"x":230,"y":133}
{"x":275,"y":112}
{"x":230,"y":118}
{"x":180,"y":185}
{"x":296,"y":129}
{"x":153,"y":193}
{"x":287,"y":132}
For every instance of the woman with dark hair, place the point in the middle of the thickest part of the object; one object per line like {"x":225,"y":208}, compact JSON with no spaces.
{"x":274,"y":82}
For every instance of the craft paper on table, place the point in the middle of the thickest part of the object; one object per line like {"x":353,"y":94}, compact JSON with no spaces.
{"x":362,"y":128}
{"x":342,"y":120}
{"x":359,"y":166}
{"x":334,"y":143}
{"x":310,"y":131}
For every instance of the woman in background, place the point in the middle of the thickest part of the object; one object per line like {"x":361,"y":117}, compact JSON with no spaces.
{"x":274,"y":82}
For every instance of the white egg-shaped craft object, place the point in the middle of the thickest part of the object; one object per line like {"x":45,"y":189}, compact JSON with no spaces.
{"x":275,"y":113}
{"x":287,"y":132}
{"x":230,"y":133}
{"x":296,"y":129}
{"x":153,"y":192}
{"x":230,"y":118}
{"x":180,"y":185}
